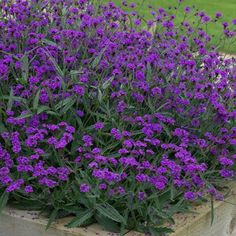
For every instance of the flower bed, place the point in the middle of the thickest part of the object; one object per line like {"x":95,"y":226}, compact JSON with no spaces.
{"x":102,"y":120}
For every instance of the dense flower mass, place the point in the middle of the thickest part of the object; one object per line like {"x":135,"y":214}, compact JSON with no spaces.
{"x":105,"y":118}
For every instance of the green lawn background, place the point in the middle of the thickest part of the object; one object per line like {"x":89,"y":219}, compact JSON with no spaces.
{"x":210,"y":7}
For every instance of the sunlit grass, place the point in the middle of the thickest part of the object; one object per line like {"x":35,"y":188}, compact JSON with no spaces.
{"x":226,"y":7}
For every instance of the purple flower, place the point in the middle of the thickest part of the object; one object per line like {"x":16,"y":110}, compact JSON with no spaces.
{"x":4,"y":171}
{"x":77,"y":159}
{"x":190,"y":196}
{"x":218,"y":15}
{"x":102,"y":186}
{"x":225,"y":24}
{"x":84,"y":188}
{"x":128,"y":143}
{"x":132,"y":5}
{"x":225,"y":161}
{"x":120,"y":190}
{"x":206,"y":18}
{"x":16,"y":142}
{"x":116,"y":133}
{"x":141,"y":178}
{"x":88,"y":141}
{"x":48,"y":182}
{"x":98,"y":126}
{"x":15,"y":185}
{"x":80,"y":113}
{"x":187,"y":9}
{"x":78,"y":89}
{"x":29,"y":189}
{"x":227,"y":173}
{"x":233,"y":142}
{"x":159,"y":185}
{"x":137,"y":21}
{"x":121,"y":106}
{"x":141,"y":196}
{"x":93,"y":165}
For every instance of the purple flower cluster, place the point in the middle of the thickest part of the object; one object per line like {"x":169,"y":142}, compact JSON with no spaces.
{"x":33,"y":164}
{"x":91,"y":100}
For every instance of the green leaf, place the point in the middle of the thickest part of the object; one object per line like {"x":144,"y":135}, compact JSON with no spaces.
{"x":149,"y":72}
{"x":11,"y":98}
{"x":83,"y":200}
{"x":52,"y":113}
{"x":42,"y":109}
{"x":36,"y":100}
{"x":52,"y":218}
{"x":57,"y":67}
{"x":21,"y":80}
{"x":167,"y":130}
{"x":108,"y":82}
{"x":107,"y":223}
{"x":164,"y":198}
{"x":160,"y":230}
{"x":25,"y":68}
{"x":99,"y":95}
{"x":14,"y":98}
{"x":98,"y":59}
{"x":175,"y":208}
{"x":26,"y":115}
{"x":68,"y":106}
{"x":212,"y":210}
{"x":81,"y":218}
{"x":110,"y":212}
{"x":49,"y":42}
{"x":29,"y":205}
{"x":64,"y":11}
{"x":75,"y":72}
{"x":65,"y":102}
{"x":10,"y":101}
{"x":161,"y":214}
{"x":72,"y":209}
{"x":2,"y":127}
{"x":173,"y":192}
{"x":3,"y":200}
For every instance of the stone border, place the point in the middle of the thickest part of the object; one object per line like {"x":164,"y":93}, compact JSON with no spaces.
{"x":28,"y":223}
{"x":199,"y":223}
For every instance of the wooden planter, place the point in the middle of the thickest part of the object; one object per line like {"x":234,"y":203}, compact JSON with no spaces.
{"x":28,"y":223}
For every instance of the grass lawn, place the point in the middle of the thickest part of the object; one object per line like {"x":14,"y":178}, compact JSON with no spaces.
{"x":210,"y":7}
